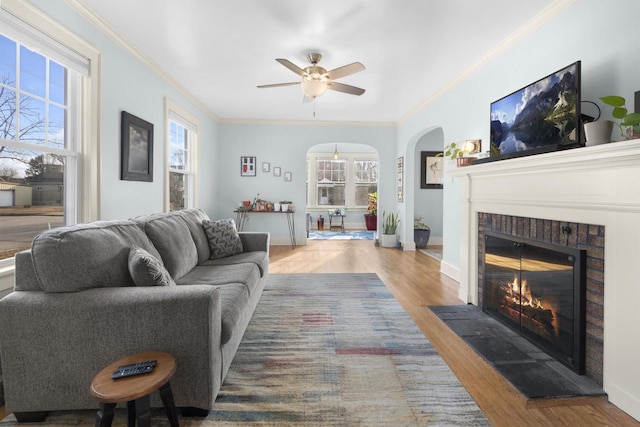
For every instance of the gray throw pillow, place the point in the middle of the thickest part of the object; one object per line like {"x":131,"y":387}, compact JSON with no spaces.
{"x":147,"y":270}
{"x":223,"y":238}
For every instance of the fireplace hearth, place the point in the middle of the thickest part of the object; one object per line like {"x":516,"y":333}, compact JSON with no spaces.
{"x":538,"y":290}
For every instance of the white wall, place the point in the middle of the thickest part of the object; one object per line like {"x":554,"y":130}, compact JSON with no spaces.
{"x":129,"y":85}
{"x":286,"y":146}
{"x":603,"y":35}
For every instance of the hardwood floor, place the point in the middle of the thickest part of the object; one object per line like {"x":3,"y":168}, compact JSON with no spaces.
{"x":415,"y":281}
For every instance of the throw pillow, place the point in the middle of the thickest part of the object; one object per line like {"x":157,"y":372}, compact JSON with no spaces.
{"x":223,"y":236}
{"x":147,"y":270}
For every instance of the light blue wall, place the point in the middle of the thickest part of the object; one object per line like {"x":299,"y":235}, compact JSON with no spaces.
{"x":603,"y":35}
{"x":428,"y":202}
{"x":130,"y":86}
{"x":286,"y":146}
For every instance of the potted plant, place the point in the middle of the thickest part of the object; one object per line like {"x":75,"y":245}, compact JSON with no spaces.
{"x":421,"y":233}
{"x":371,"y":217}
{"x":284,"y":205}
{"x":629,"y":123}
{"x":456,"y":152}
{"x":389,"y":226}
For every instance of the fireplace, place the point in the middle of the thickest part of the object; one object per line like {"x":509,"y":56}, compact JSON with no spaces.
{"x":538,"y":290}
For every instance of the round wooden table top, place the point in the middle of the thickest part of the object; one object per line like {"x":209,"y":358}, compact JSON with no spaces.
{"x":107,"y":390}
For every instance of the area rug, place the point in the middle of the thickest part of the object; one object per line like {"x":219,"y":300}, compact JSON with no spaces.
{"x":340,"y":235}
{"x":329,"y":350}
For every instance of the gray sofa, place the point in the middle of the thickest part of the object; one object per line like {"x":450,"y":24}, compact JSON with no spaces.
{"x":76,"y":308}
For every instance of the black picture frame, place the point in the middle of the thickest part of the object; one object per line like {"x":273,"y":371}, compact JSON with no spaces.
{"x":431,"y":178}
{"x":136,"y":159}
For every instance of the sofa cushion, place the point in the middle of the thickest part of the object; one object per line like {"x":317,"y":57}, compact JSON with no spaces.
{"x":171,"y":237}
{"x":248,"y":274}
{"x":193,"y":218}
{"x":259,"y":258}
{"x":234,"y":301}
{"x":223,"y":238}
{"x":147,"y":270}
{"x":84,"y":256}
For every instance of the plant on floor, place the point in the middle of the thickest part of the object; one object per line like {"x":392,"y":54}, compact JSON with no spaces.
{"x":390,"y":223}
{"x":371,"y":217}
{"x":421,"y":232}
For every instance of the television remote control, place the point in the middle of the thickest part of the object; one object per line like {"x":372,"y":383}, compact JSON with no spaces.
{"x":139,"y":368}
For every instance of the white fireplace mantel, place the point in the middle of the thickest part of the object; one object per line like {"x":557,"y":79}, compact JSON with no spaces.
{"x":592,"y":185}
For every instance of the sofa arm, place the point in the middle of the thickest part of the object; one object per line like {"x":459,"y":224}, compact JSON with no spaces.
{"x":255,"y":241}
{"x":53,"y":344}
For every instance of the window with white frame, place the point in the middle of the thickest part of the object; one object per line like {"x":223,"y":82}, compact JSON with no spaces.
{"x":41,"y":112}
{"x":182,"y":147}
{"x":346,"y":181}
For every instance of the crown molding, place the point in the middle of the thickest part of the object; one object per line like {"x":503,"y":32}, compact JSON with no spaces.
{"x":304,"y":123}
{"x":80,"y":7}
{"x":550,"y":12}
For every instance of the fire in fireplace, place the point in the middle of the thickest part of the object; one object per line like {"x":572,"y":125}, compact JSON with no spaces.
{"x":538,"y":289}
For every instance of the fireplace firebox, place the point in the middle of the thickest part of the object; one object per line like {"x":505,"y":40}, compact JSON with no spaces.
{"x":538,"y":289}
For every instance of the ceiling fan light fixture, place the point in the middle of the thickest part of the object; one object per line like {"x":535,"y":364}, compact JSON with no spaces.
{"x":313,"y":87}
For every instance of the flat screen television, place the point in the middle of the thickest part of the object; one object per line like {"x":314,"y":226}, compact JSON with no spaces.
{"x":541,"y":117}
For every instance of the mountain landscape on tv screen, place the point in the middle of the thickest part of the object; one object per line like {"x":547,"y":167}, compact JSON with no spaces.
{"x":539,"y":115}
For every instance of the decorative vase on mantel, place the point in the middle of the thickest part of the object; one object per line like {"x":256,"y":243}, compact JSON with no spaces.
{"x":464,"y":161}
{"x":598,"y":132}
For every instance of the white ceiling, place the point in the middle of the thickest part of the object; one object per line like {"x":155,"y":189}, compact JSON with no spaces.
{"x":219,"y":50}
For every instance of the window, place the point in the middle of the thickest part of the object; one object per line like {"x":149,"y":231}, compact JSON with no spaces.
{"x":67,"y":149}
{"x":347,"y":181}
{"x":331,"y":180}
{"x":365,"y":180}
{"x":39,"y":117}
{"x":182,"y":145}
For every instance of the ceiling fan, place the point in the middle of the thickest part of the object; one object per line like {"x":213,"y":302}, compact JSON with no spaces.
{"x":316,"y":80}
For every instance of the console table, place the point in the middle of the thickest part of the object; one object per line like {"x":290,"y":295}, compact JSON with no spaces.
{"x":242,"y":216}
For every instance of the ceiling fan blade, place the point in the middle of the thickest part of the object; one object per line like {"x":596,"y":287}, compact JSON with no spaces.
{"x":290,"y":65}
{"x":278,"y":85}
{"x":340,"y":87}
{"x":345,"y":70}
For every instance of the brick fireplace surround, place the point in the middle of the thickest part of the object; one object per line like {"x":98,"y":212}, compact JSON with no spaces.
{"x":595,"y":190}
{"x":589,"y":237}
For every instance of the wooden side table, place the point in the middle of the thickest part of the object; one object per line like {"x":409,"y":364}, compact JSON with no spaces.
{"x":135,"y":390}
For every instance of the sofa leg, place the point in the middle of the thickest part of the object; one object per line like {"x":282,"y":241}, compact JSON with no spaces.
{"x":30,"y":417}
{"x":190,"y":411}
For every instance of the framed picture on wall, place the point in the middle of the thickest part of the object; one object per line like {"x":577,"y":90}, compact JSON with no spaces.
{"x":277,"y":171}
{"x":431,"y":169}
{"x":266,"y":166}
{"x":136,"y":154}
{"x":287,"y":176}
{"x":247,"y":166}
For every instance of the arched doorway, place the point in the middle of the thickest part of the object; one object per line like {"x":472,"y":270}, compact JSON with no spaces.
{"x":341,"y":175}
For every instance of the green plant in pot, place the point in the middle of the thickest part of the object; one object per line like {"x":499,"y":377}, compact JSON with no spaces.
{"x":389,"y":227}
{"x":421,"y":233}
{"x":371,"y":217}
{"x":455,"y":151}
{"x":629,"y":123}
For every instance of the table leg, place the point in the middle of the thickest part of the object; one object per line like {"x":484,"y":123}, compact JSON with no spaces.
{"x":169,"y":406}
{"x":104,"y":417}
{"x":131,"y":413}
{"x":292,"y":228}
{"x":143,"y":411}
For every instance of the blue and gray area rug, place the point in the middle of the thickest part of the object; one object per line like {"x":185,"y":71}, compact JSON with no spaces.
{"x":328,"y":350}
{"x":340,"y":235}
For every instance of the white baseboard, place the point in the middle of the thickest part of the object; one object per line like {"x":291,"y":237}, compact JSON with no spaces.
{"x":450,"y":270}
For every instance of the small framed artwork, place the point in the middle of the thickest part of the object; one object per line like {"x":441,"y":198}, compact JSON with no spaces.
{"x":431,"y":169}
{"x":400,"y":180}
{"x":277,"y":171}
{"x":287,"y":176}
{"x":266,"y":166}
{"x":136,"y":156}
{"x":247,"y":166}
